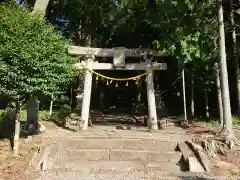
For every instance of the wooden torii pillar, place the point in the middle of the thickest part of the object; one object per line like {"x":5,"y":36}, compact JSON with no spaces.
{"x":118,"y":55}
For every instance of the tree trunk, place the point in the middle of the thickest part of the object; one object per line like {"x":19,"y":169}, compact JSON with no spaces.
{"x":17,"y":130}
{"x":84,"y":32}
{"x":87,"y":33}
{"x":219,"y":93}
{"x":32,"y":114}
{"x":74,"y":94}
{"x":184,"y":95}
{"x":235,"y":55}
{"x":206,"y":103}
{"x":101,"y":99}
{"x":71,"y":97}
{"x":192,"y":97}
{"x":40,"y":5}
{"x":51,"y":106}
{"x":80,"y":34}
{"x":227,"y":121}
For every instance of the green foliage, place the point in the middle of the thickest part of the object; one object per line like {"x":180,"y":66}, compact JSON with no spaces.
{"x":43,"y":114}
{"x":99,"y":13}
{"x":185,"y":29}
{"x":23,"y":115}
{"x":238,"y":11}
{"x":58,"y":116}
{"x":33,"y":57}
{"x":236,"y":122}
{"x":190,"y":27}
{"x":209,"y":122}
{"x":61,"y":102}
{"x":215,"y":122}
{"x":1,"y":115}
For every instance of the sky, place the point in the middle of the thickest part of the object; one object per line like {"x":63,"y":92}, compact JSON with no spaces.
{"x":19,"y":2}
{"x":58,"y":19}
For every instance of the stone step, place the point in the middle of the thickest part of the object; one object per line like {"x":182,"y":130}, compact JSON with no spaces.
{"x":66,"y":174}
{"x":132,"y":144}
{"x":102,"y":175}
{"x":161,"y":135}
{"x":121,"y":155}
{"x":89,"y":166}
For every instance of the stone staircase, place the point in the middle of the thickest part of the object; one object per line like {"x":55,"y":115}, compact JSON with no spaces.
{"x":118,"y":156}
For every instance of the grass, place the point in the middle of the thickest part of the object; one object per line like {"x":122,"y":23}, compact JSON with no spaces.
{"x":23,"y":114}
{"x":57,"y":116}
{"x":236,"y":122}
{"x":215,"y":122}
{"x":7,"y":127}
{"x":205,"y":121}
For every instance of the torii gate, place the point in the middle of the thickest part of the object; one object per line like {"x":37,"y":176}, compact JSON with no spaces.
{"x":119,"y":55}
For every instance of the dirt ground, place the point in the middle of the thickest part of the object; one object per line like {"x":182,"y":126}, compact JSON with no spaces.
{"x":14,"y":168}
{"x":226,"y":165}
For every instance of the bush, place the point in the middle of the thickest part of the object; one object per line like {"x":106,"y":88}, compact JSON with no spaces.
{"x":33,"y":56}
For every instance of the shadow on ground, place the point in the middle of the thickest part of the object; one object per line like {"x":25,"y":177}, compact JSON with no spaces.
{"x":186,"y":177}
{"x":7,"y":127}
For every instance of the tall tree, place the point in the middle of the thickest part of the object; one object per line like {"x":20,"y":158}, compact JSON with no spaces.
{"x":227,"y":121}
{"x":219,"y":92}
{"x":40,"y":6}
{"x":33,"y":58}
{"x":184,"y":96}
{"x":192,"y":95}
{"x":235,"y":54}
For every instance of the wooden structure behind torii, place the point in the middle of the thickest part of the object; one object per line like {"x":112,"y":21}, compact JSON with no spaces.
{"x":119,"y":55}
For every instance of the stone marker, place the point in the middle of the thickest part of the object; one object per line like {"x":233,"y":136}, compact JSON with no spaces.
{"x":194,"y":165}
{"x":189,"y":159}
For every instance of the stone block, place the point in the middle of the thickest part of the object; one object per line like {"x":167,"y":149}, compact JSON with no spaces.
{"x":194,"y":165}
{"x":153,"y":167}
{"x":163,"y":156}
{"x":127,"y":155}
{"x":87,"y":154}
{"x":43,"y":155}
{"x":104,"y":144}
{"x":185,"y":150}
{"x":143,"y":155}
{"x":81,"y":165}
{"x":155,"y":144}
